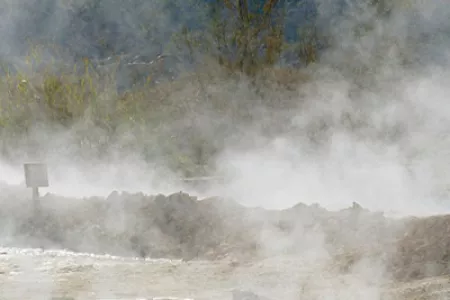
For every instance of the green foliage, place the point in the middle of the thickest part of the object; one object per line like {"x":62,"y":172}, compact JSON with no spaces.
{"x":235,"y":40}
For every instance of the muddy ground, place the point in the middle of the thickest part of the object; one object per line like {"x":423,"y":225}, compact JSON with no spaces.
{"x":216,"y":245}
{"x":30,"y":274}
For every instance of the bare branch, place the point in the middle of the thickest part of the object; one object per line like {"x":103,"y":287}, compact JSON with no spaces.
{"x":269,"y":6}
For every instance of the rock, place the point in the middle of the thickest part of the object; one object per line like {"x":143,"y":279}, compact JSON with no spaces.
{"x":246,"y":295}
{"x":356,"y":206}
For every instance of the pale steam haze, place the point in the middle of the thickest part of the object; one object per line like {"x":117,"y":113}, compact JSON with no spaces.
{"x":404,"y":173}
{"x":397,"y":160}
{"x":11,"y":175}
{"x":368,"y":123}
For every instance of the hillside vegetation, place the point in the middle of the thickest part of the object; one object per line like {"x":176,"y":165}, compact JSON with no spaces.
{"x":174,"y":85}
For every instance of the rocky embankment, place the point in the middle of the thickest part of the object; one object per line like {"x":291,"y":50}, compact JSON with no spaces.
{"x":182,"y":226}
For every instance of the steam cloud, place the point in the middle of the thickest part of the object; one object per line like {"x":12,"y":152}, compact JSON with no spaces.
{"x":370,"y":125}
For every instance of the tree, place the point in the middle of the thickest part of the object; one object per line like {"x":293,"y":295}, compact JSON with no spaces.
{"x":247,"y":34}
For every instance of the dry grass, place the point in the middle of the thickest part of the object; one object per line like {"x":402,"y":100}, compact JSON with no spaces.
{"x":70,"y":97}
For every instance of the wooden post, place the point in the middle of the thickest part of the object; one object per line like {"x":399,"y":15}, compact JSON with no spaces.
{"x":35,"y":193}
{"x":36,"y":203}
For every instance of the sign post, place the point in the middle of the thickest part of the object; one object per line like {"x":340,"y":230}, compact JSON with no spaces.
{"x":35,"y":177}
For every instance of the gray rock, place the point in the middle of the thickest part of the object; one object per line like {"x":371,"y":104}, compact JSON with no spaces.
{"x":246,"y":295}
